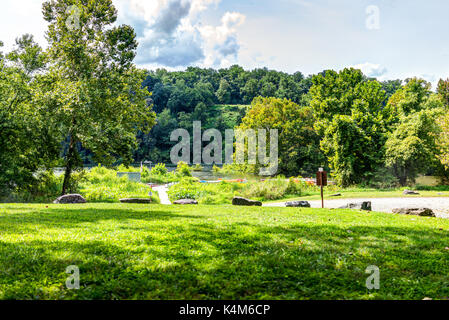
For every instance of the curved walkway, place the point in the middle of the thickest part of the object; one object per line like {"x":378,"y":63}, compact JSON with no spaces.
{"x":163,"y":195}
{"x":439,"y":205}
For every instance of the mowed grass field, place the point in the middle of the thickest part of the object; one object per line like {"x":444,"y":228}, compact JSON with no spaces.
{"x":218,"y":252}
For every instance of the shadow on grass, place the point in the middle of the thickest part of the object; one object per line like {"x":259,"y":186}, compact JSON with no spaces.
{"x":180,"y":256}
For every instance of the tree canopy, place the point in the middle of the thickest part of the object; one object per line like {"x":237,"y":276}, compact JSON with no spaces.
{"x":92,"y":93}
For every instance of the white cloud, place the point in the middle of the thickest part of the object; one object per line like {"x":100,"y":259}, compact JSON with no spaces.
{"x":372,"y":69}
{"x":20,"y":17}
{"x":171,"y":34}
{"x":221,"y":42}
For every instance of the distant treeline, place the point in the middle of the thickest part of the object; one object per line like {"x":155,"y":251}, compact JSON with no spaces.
{"x":197,"y":94}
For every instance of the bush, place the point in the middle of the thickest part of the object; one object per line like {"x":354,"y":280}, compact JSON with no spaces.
{"x":46,"y":187}
{"x":222,"y":193}
{"x":159,"y":169}
{"x":103,"y":185}
{"x":183,"y":169}
{"x":430,"y":188}
{"x":272,"y":189}
{"x":187,"y":188}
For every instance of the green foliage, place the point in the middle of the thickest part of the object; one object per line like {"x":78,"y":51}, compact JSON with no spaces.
{"x":187,"y":188}
{"x":159,"y":169}
{"x":272,"y":189}
{"x":351,"y":119}
{"x":103,"y":185}
{"x":443,"y":91}
{"x":183,"y":169}
{"x":409,"y":99}
{"x":298,"y":142}
{"x":224,"y":92}
{"x":93,"y":92}
{"x":26,"y":143}
{"x":197,"y":168}
{"x":223,"y":192}
{"x":431,"y":188}
{"x":235,"y":169}
{"x":411,"y":147}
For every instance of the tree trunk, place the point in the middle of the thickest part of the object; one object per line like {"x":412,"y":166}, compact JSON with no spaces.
{"x":70,"y":159}
{"x":403,"y":177}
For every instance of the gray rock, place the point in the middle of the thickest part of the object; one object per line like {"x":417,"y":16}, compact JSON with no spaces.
{"x":185,"y":201}
{"x":410,"y":193}
{"x":239,"y":201}
{"x":136,"y":200}
{"x":70,"y":199}
{"x":298,"y":204}
{"x":422,"y":212}
{"x":335,"y":195}
{"x":366,"y":205}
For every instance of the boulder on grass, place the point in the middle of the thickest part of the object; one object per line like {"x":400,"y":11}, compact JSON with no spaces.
{"x":70,"y":199}
{"x":335,"y":195}
{"x":422,"y":212}
{"x":298,"y":204}
{"x":410,"y":193}
{"x":136,"y":200}
{"x":366,"y":205}
{"x":185,"y":201}
{"x":239,"y":201}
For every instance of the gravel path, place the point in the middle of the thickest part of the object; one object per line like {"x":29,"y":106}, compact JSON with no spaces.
{"x":163,"y":196}
{"x":439,"y":205}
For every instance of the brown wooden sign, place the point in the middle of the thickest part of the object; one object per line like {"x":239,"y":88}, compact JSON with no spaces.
{"x":321,"y":178}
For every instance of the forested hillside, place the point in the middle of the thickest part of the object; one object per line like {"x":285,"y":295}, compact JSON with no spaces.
{"x":218,"y":98}
{"x":214,"y":97}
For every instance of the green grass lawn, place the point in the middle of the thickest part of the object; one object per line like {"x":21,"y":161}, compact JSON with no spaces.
{"x":218,"y":252}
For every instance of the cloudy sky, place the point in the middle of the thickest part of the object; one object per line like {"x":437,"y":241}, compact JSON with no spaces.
{"x":388,"y":39}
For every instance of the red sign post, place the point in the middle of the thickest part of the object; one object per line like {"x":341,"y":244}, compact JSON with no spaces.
{"x":321,"y":180}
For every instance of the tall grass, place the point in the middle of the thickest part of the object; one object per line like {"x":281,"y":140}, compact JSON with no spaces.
{"x":222,"y":193}
{"x":103,"y":185}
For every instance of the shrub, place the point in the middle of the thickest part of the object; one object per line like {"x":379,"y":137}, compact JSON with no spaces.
{"x":183,"y":169}
{"x":159,"y":169}
{"x":103,"y":185}
{"x":123,"y":168}
{"x":431,"y":188}
{"x":197,"y":167}
{"x":222,"y":193}
{"x":187,"y":188}
{"x":272,"y":189}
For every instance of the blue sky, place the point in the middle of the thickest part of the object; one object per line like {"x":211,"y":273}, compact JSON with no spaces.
{"x":385,"y":38}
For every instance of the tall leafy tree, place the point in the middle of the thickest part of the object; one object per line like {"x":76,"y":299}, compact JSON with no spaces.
{"x":299,"y":151}
{"x":350,"y":120}
{"x":411,"y":148}
{"x":93,"y":95}
{"x":25,"y":142}
{"x":443,"y":91}
{"x":224,"y":92}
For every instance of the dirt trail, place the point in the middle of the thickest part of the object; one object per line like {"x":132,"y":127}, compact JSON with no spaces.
{"x":163,"y":196}
{"x":439,"y":205}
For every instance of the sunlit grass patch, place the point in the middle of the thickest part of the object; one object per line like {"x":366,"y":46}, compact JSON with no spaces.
{"x":218,"y":252}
